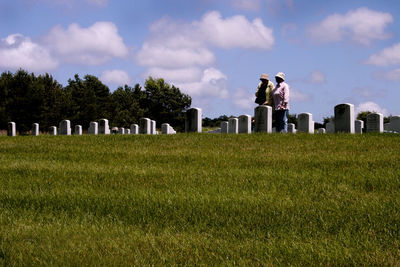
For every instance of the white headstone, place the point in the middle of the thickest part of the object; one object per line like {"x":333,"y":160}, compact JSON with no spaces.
{"x":167,"y":129}
{"x":291,"y":128}
{"x":374,"y":123}
{"x":93,"y":128}
{"x":78,"y":129}
{"x":358,"y":126}
{"x":12,"y":129}
{"x":35,"y":129}
{"x":145,"y":126}
{"x":104,"y":128}
{"x":263,"y":119}
{"x":344,"y":118}
{"x":53,"y":130}
{"x":224,"y":127}
{"x":193,"y":121}
{"x":321,"y":130}
{"x":233,"y":125}
{"x":65,"y":127}
{"x":134,"y":129}
{"x":127,"y":131}
{"x":395,"y":123}
{"x":244,"y":124}
{"x":153,"y":127}
{"x":121,"y":130}
{"x":305,"y":123}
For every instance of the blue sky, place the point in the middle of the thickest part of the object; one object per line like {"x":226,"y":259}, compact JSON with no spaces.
{"x":332,"y":52}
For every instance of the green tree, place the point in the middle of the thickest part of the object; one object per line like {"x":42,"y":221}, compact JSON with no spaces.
{"x":127,"y":105}
{"x":89,"y":100}
{"x":165,"y":103}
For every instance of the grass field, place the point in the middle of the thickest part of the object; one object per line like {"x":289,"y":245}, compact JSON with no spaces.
{"x":200,"y":199}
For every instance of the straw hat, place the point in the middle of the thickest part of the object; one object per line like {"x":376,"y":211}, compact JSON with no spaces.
{"x":280,"y":75}
{"x":264,"y":76}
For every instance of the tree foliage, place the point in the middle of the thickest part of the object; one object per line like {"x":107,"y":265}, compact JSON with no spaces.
{"x":26,"y":99}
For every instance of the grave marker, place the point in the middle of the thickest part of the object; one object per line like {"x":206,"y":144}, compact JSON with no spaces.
{"x":291,"y":128}
{"x":193,"y":121}
{"x":374,"y":123}
{"x":233,"y":125}
{"x":134,"y":129}
{"x":263,"y":119}
{"x":305,"y":123}
{"x":53,"y":130}
{"x":35,"y":129}
{"x":344,"y":118}
{"x":144,"y":126}
{"x":65,"y":127}
{"x":244,"y":124}
{"x":395,"y":123}
{"x":358,"y":126}
{"x":224,"y":127}
{"x":78,"y":129}
{"x":104,"y":128}
{"x":93,"y":128}
{"x":11,"y":129}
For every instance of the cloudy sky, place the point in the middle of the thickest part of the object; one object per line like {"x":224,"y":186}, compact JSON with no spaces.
{"x":215,"y":50}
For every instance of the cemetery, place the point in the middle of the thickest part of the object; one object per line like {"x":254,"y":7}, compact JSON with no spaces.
{"x":101,"y":194}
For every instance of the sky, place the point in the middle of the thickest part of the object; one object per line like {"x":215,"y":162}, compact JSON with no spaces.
{"x":331,"y":51}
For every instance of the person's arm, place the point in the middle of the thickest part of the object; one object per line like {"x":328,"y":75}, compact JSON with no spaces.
{"x":286,"y":96}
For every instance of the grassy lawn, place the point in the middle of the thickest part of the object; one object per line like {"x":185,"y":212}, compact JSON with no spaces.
{"x":200,"y":199}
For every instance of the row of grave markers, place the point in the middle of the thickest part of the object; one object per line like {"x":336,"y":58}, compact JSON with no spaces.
{"x":344,"y":121}
{"x":147,"y":126}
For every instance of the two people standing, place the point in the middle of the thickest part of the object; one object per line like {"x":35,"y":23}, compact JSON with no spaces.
{"x":277,"y":97}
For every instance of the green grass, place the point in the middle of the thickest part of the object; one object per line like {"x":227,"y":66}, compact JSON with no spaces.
{"x":200,"y":199}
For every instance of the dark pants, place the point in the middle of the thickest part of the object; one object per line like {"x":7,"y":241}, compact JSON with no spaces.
{"x":281,"y":120}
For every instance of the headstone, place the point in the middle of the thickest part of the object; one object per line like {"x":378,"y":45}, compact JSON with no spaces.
{"x":93,"y":128}
{"x":127,"y":131}
{"x":121,"y":130}
{"x":134,"y":129}
{"x":153,"y":127}
{"x":244,"y":124}
{"x":224,"y":127}
{"x":145,"y":126}
{"x":65,"y":127}
{"x":358,"y":126}
{"x":35,"y":129}
{"x":53,"y":130}
{"x":12,"y":129}
{"x":305,"y":123}
{"x":233,"y":125}
{"x":104,"y":128}
{"x":330,"y":127}
{"x":167,"y":129}
{"x":193,"y":121}
{"x":344,"y":118}
{"x":395,"y":123}
{"x":263,"y":119}
{"x":78,"y":129}
{"x":386,"y":127}
{"x":291,"y":128}
{"x":374,"y":123}
{"x":321,"y":130}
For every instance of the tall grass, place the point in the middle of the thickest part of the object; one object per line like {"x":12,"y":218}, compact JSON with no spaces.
{"x":200,"y":199}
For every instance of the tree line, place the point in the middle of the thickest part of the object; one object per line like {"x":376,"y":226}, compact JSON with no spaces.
{"x":26,"y":98}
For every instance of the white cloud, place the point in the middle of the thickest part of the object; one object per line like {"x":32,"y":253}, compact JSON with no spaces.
{"x":160,"y":55}
{"x":243,"y":99}
{"x":317,"y":77}
{"x":94,"y":45}
{"x":392,"y":75}
{"x":17,"y":51}
{"x":252,"y":5}
{"x":177,"y":44}
{"x":362,"y":25}
{"x":386,"y":57}
{"x":370,"y":106}
{"x":117,"y":77}
{"x":213,"y":83}
{"x":183,"y":75}
{"x":235,"y":31}
{"x":297,"y":96}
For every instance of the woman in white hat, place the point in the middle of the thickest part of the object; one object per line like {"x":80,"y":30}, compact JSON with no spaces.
{"x":280,"y":94}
